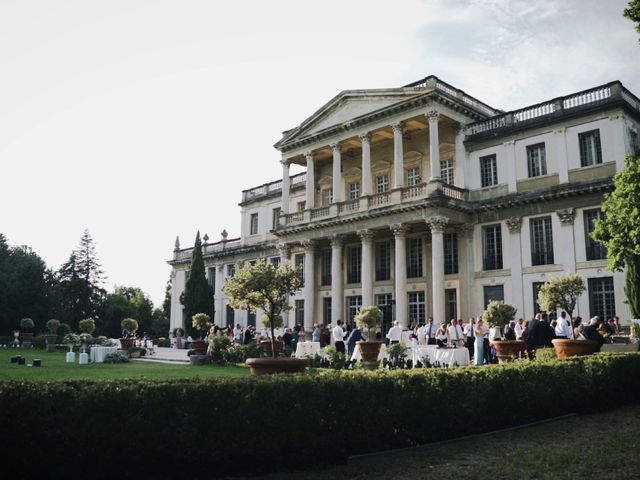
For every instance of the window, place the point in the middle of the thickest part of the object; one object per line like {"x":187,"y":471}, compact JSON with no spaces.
{"x":353,"y":306}
{"x":602,"y":300}
{"x":446,"y":171}
{"x":536,"y":160}
{"x":231,"y":316}
{"x":416,"y":307}
{"x":536,"y":288}
{"x":299,"y":312}
{"x":541,"y":241}
{"x":488,"y":171}
{"x":385,"y":303}
{"x":326,"y":310}
{"x":450,"y":253}
{"x":211,"y":277}
{"x":383,"y":261}
{"x":254,"y":224}
{"x":492,"y":248}
{"x":327,"y":197}
{"x":355,"y":264}
{"x":275,"y":261}
{"x":590,"y":151}
{"x":301,"y":206}
{"x":275,"y":218}
{"x":451,"y":303}
{"x":382,"y":183}
{"x":493,"y":292}
{"x":354,"y":190}
{"x":325,"y":268}
{"x":414,"y":262}
{"x":251,"y":319}
{"x":299,"y":264}
{"x":413,"y":176}
{"x":595,"y":250}
{"x":633,"y":141}
{"x":231,"y":270}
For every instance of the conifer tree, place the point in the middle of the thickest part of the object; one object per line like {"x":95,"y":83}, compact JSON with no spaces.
{"x":198,"y":295}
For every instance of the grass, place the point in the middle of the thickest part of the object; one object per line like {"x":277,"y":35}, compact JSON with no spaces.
{"x":54,"y":367}
{"x":602,"y":446}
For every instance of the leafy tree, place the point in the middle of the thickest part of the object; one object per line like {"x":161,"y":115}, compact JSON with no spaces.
{"x":198,"y":295}
{"x":633,"y":13}
{"x":619,"y":231}
{"x":166,"y":303}
{"x":561,"y":293}
{"x":201,"y":322}
{"x":159,"y":323}
{"x":125,"y":302}
{"x":264,"y":286}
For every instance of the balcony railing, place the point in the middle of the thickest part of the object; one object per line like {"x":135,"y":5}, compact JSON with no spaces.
{"x":272,"y":187}
{"x":415,"y":191}
{"x":378,"y":199}
{"x":349,"y":206}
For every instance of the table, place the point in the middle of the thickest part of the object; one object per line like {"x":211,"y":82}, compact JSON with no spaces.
{"x":450,"y":357}
{"x":308,"y":349}
{"x":98,"y":353}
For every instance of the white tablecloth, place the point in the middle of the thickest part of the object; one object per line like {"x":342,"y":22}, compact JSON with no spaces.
{"x":98,"y":353}
{"x":444,"y":356}
{"x":308,"y":349}
{"x":357,"y":356}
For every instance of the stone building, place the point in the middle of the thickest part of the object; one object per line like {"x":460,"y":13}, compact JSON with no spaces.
{"x":425,"y":201}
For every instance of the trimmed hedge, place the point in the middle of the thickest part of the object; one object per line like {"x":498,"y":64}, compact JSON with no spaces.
{"x":221,"y":426}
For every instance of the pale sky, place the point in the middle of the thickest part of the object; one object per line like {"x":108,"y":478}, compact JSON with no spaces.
{"x":143,"y":120}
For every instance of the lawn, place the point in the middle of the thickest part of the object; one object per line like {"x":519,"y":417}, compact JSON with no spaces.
{"x":54,"y":367}
{"x":603,"y":446}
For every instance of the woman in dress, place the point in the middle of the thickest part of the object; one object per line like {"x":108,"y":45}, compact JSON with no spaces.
{"x":479,"y":332}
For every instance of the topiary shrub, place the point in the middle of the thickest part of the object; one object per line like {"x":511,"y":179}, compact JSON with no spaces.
{"x":88,"y":325}
{"x":369,"y":317}
{"x":52,"y":326}
{"x":27,"y":324}
{"x":129,"y":327}
{"x":498,"y":313}
{"x":64,"y":329}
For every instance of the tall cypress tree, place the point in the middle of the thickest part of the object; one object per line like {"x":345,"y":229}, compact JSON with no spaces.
{"x":198,"y":297}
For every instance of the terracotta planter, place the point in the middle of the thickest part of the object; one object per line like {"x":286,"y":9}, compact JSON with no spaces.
{"x":265,"y":366}
{"x":51,"y":342}
{"x":265,"y":345}
{"x":509,"y":350}
{"x":27,"y":338}
{"x":126,"y":343}
{"x":573,"y":348}
{"x":369,"y":350}
{"x":200,"y":347}
{"x":136,"y":353}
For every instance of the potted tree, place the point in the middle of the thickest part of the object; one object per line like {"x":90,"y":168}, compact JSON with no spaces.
{"x":265,"y":286}
{"x":27,"y":326}
{"x":201,"y":323}
{"x":52,"y":334}
{"x":562,"y":293}
{"x":498,"y":314}
{"x":369,"y":317}
{"x":129,"y":328}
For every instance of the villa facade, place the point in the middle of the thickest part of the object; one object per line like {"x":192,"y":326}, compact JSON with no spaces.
{"x":426,"y":202}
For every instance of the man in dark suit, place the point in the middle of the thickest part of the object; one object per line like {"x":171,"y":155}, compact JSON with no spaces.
{"x":591,"y":332}
{"x":509,"y":332}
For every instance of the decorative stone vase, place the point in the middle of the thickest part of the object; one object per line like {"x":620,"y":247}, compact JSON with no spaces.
{"x":200,"y":347}
{"x":51,"y":342}
{"x":265,"y":345}
{"x":369,"y":350}
{"x":27,"y":338}
{"x":126,"y":343}
{"x":573,"y":348}
{"x":509,"y":350}
{"x":265,"y":366}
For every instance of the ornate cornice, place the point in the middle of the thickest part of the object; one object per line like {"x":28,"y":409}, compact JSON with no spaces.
{"x":437,"y":223}
{"x":399,"y":229}
{"x":433,"y":115}
{"x":308,"y":245}
{"x":514,"y":224}
{"x":284,"y":249}
{"x":566,"y":215}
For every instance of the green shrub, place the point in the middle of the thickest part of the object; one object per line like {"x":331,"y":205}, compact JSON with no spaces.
{"x":39,"y":341}
{"x":163,"y":342}
{"x":117,"y":357}
{"x":27,"y":325}
{"x":222,"y":415}
{"x":546,"y":354}
{"x":88,"y":325}
{"x":219,"y":347}
{"x":52,"y":326}
{"x":64,"y":329}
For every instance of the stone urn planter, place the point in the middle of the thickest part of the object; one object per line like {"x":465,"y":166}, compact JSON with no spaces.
{"x":267,"y":351}
{"x":27,"y":339}
{"x":266,"y":366}
{"x":199,"y":346}
{"x":370,"y":350}
{"x":509,"y":350}
{"x":573,"y":348}
{"x":126,"y":343}
{"x":51,"y":342}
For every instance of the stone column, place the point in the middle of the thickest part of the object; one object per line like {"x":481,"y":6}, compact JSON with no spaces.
{"x":400,"y":233}
{"x":337,"y":280}
{"x":437,"y":224}
{"x":565,"y":248}
{"x":285,"y":187}
{"x":337,"y":173}
{"x":311,"y":182}
{"x":367,"y":267}
{"x":560,"y":139}
{"x":284,"y":250}
{"x":461,"y":160}
{"x":178,"y":280}
{"x":514,"y":224}
{"x":365,"y":138}
{"x":510,"y":160}
{"x":309,"y":283}
{"x":434,"y":144}
{"x":398,"y":156}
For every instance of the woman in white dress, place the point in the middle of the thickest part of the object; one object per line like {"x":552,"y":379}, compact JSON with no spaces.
{"x":479,"y":332}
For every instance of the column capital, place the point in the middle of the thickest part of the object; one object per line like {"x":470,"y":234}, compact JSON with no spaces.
{"x":220,"y":268}
{"x":437,"y":223}
{"x":365,"y":235}
{"x":397,"y":127}
{"x":465,"y":229}
{"x":433,"y":115}
{"x":309,"y":155}
{"x":308,"y":245}
{"x":335,"y":146}
{"x":285,"y":161}
{"x":566,"y":215}
{"x":514,"y":224}
{"x":399,"y":229}
{"x":365,"y":137}
{"x":284,"y":249}
{"x":336,"y":240}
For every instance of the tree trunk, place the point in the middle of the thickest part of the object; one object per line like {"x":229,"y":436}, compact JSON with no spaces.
{"x":632,"y":285}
